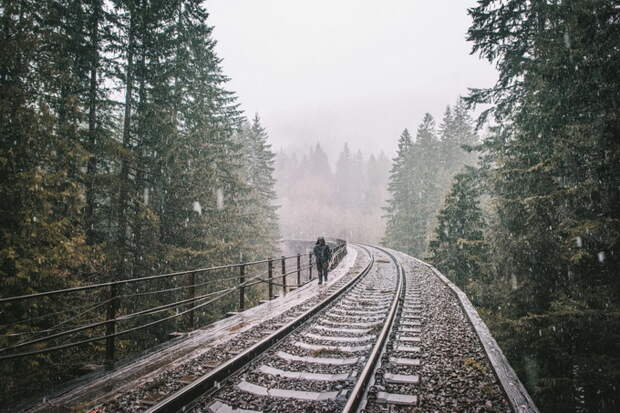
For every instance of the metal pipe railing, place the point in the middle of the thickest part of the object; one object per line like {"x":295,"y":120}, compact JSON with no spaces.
{"x":129,"y":281}
{"x":192,"y":301}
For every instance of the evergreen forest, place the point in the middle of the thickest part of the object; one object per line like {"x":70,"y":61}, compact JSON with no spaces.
{"x":525,"y":219}
{"x":342,"y":198}
{"x":124,"y":153}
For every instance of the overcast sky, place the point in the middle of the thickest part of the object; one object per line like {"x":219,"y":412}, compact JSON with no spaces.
{"x":336,"y":71}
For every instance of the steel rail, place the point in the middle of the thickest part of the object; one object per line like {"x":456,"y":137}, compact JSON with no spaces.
{"x":183,"y":397}
{"x":358,"y":393}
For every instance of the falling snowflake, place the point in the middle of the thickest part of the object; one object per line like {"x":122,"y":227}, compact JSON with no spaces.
{"x":513,"y":282}
{"x":567,"y":40}
{"x":219,"y":197}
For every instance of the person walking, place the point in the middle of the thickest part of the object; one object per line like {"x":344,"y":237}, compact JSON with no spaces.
{"x":322,"y":255}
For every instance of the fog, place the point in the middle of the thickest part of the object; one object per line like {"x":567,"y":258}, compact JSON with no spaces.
{"x":345,"y":201}
{"x":354,"y":71}
{"x":328,"y":73}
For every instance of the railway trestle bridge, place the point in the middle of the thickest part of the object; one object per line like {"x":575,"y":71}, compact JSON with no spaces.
{"x":387,"y":332}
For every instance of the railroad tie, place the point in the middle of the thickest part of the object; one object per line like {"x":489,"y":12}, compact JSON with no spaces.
{"x":317,"y":360}
{"x":364,"y":313}
{"x":407,"y":349}
{"x":304,"y":375}
{"x":401,"y":378}
{"x":397,"y":399}
{"x":343,"y":329}
{"x":410,"y":329}
{"x":323,"y":347}
{"x":356,"y":305}
{"x":284,"y":393}
{"x":405,"y":361}
{"x":219,"y":407}
{"x":411,"y":323}
{"x":354,"y":324}
{"x":356,"y":339}
{"x":409,"y":339}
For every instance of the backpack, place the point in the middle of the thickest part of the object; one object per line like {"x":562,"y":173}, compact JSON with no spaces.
{"x":325,"y":253}
{"x":321,"y":252}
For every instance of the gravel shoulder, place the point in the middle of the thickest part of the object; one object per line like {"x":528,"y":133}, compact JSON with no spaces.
{"x":455,"y":373}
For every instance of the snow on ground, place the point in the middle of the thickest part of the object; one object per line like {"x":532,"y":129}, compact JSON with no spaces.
{"x":196,"y":343}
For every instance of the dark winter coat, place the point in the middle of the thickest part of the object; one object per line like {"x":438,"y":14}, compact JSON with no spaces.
{"x":322,"y":252}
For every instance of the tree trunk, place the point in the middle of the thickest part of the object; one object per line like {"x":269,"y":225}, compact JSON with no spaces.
{"x":123,"y":198}
{"x":141,"y":156}
{"x":92,"y":124}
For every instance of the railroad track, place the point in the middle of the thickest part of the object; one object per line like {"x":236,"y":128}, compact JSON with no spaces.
{"x":326,"y":358}
{"x":387,"y":336}
{"x":393,"y":335}
{"x":201,"y":371}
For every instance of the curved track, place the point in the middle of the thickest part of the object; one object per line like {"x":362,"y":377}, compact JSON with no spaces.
{"x":353,"y":345}
{"x":322,"y":361}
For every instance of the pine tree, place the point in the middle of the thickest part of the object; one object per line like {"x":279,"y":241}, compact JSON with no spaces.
{"x":42,"y":242}
{"x":414,"y":190}
{"x":459,"y":249}
{"x":463,"y":128}
{"x":457,"y":136}
{"x":259,"y":174}
{"x":425,"y":181}
{"x":93,"y":65}
{"x":552,"y":168}
{"x":347,"y":205}
{"x":399,"y":228}
{"x":349,"y":179}
{"x":319,"y":163}
{"x":342,"y":178}
{"x":449,"y":140}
